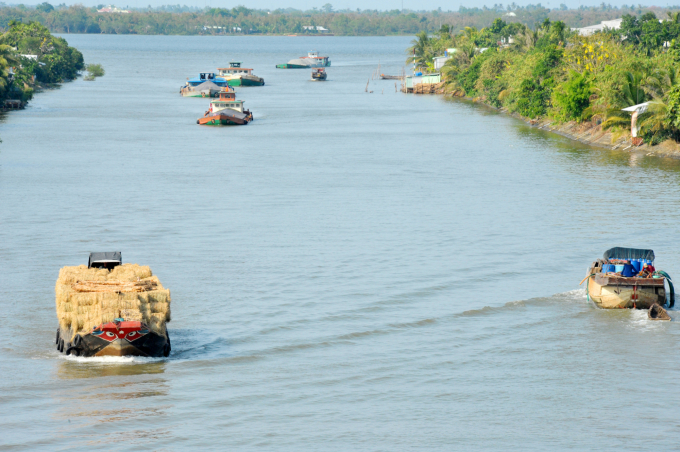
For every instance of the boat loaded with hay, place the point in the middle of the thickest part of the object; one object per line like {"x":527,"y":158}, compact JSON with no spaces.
{"x":108,"y":308}
{"x":626,"y":278}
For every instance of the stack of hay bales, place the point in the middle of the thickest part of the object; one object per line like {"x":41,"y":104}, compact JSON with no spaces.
{"x":88,"y":297}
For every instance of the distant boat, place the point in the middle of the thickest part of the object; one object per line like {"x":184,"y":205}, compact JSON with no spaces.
{"x":226,"y":111}
{"x":311,"y":60}
{"x":391,"y":77}
{"x":207,"y":84}
{"x":319,"y":74}
{"x":235,"y":75}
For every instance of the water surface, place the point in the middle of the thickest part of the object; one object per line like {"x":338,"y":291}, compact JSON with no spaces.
{"x":351,"y":271}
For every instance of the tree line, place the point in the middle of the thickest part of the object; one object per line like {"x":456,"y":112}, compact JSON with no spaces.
{"x":552,"y":71}
{"x":183,"y":20}
{"x":30,"y":57}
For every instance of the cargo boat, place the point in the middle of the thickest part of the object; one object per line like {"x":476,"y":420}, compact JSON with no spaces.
{"x":207,"y":84}
{"x":235,"y":75}
{"x":111,"y":309}
{"x":226,"y":111}
{"x":319,"y":74}
{"x":311,"y":60}
{"x":626,"y":279}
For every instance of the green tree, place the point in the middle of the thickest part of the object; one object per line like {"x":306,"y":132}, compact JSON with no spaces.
{"x":572,"y":97}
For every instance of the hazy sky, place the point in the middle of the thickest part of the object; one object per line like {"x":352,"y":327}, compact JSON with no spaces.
{"x":341,"y":4}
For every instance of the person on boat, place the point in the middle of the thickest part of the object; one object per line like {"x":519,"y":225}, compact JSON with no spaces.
{"x":647,"y":271}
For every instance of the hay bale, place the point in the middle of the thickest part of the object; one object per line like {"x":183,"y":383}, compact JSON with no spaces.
{"x":88,"y":297}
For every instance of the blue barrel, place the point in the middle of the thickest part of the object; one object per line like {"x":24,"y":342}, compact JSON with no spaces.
{"x":618,"y":268}
{"x":608,"y":268}
{"x":628,"y":271}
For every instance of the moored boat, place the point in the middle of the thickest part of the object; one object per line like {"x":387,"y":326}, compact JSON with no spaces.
{"x":626,"y":278}
{"x":235,"y":75}
{"x":111,"y":309}
{"x":207,"y":84}
{"x":311,"y":60}
{"x":319,"y":74}
{"x":226,"y":111}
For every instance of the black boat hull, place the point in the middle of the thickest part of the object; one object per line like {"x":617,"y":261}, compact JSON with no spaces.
{"x":88,"y":345}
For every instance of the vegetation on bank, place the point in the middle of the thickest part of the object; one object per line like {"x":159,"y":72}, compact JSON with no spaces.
{"x":30,"y":56}
{"x":553,"y":72}
{"x":93,"y":71}
{"x":183,"y":20}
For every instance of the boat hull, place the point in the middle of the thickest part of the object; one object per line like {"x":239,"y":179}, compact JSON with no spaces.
{"x":301,"y":66}
{"x":611,"y":292}
{"x":226,"y":118}
{"x":207,"y":93}
{"x":149,"y":344}
{"x":245,"y":81}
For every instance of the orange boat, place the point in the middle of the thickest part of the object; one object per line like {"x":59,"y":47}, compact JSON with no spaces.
{"x":226,"y":111}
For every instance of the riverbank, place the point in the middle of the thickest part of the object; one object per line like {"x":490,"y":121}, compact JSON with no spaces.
{"x":586,"y":132}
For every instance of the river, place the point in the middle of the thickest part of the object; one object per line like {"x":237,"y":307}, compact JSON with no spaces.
{"x":351,"y":271}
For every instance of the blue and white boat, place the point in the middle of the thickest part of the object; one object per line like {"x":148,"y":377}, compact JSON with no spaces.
{"x":207,"y":84}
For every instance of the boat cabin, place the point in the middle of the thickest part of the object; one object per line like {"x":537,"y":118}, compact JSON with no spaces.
{"x":234,"y":68}
{"x":107,"y":260}
{"x":226,"y":101}
{"x":315,"y":58}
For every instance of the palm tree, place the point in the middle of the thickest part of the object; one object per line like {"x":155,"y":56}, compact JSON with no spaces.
{"x":420,"y":52}
{"x":658,"y":84}
{"x":632,"y":93}
{"x":654,"y":119}
{"x":8,"y":58}
{"x":526,"y":39}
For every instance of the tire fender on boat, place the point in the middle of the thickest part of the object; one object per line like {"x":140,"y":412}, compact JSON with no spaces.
{"x":57,"y":341}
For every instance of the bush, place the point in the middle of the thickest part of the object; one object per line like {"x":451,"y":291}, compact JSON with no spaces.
{"x":532,"y":99}
{"x":572,"y":97}
{"x":95,"y":70}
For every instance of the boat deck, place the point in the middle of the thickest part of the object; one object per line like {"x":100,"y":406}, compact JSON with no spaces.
{"x":614,"y":280}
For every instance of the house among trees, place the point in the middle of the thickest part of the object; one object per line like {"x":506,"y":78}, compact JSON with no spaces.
{"x":317,"y":29}
{"x":112,"y":9}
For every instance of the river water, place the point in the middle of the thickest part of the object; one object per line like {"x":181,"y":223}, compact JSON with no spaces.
{"x":351,"y":271}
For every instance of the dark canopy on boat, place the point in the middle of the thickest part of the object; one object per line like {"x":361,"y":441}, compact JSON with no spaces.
{"x":628,"y":253}
{"x":107,"y":259}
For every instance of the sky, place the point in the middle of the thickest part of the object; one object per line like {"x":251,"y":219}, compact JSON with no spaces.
{"x":351,"y":4}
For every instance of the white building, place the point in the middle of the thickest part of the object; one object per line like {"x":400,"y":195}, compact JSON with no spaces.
{"x":313,"y":28}
{"x":439,"y":62}
{"x":614,"y":24}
